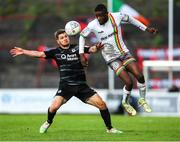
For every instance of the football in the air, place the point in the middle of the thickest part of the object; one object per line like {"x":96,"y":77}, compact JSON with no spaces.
{"x":72,"y":28}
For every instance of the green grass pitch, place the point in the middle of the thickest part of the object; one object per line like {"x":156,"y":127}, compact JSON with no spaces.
{"x":89,"y":128}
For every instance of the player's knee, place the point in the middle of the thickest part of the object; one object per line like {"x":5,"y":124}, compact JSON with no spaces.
{"x":102,"y":105}
{"x":52,"y":110}
{"x":54,"y":107}
{"x":140,"y":78}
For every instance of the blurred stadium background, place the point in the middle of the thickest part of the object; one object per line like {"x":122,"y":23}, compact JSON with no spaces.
{"x":27,"y":85}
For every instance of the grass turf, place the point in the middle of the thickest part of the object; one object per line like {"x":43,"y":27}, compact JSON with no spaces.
{"x":89,"y":128}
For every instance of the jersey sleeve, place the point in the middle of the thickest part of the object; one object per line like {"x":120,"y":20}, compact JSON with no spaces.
{"x":86,"y":31}
{"x":50,"y":53}
{"x":83,"y":35}
{"x":129,"y":19}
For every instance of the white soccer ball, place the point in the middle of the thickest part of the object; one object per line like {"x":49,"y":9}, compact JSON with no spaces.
{"x":72,"y":28}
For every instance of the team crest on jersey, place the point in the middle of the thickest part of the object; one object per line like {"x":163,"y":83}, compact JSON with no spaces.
{"x":73,"y":50}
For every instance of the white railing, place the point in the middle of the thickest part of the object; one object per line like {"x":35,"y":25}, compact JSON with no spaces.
{"x":161,"y":66}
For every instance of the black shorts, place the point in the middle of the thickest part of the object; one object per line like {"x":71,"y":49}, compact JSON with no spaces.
{"x":83,"y":91}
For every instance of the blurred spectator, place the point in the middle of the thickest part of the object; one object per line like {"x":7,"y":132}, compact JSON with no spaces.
{"x":174,"y":88}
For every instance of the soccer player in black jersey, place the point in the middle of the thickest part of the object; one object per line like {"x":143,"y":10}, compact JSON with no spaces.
{"x":72,"y":78}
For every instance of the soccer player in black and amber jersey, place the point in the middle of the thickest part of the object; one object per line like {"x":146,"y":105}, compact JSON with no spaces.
{"x":72,"y":78}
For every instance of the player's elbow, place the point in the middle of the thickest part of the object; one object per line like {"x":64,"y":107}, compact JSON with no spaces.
{"x":42,"y":55}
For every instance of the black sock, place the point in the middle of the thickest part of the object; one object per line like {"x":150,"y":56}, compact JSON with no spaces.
{"x":50,"y":116}
{"x":106,"y":117}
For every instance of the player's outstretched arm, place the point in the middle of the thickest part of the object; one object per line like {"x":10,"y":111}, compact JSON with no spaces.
{"x":16,"y":51}
{"x":96,"y":48}
{"x":130,"y":19}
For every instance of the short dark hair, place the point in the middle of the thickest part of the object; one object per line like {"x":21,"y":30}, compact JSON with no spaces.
{"x":58,"y":32}
{"x":102,"y":8}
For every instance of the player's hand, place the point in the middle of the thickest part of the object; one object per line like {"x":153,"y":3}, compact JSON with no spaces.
{"x":84,"y":61}
{"x":16,"y":51}
{"x":94,"y":49}
{"x":99,"y":46}
{"x":152,"y":30}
